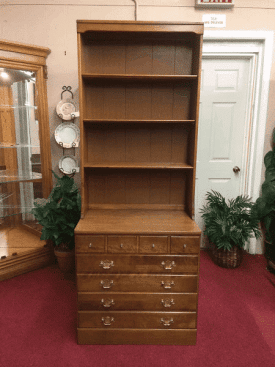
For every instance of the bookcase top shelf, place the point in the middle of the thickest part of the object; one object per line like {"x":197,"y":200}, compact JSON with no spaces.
{"x":138,"y":26}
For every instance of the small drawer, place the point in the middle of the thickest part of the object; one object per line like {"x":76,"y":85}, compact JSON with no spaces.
{"x":185,"y":245}
{"x":122,"y":244}
{"x":153,"y":245}
{"x":89,"y":243}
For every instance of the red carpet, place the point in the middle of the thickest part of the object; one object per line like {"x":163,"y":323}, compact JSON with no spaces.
{"x":235,"y":323}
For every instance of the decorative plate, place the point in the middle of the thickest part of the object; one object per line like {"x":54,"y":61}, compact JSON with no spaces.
{"x":65,"y":108}
{"x":67,"y":135}
{"x":68,"y":165}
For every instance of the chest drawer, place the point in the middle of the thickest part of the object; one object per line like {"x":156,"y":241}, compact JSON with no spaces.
{"x":136,"y":283}
{"x":153,"y":244}
{"x":185,"y":245}
{"x":137,"y":320}
{"x":137,"y":301}
{"x":87,"y":243}
{"x":112,"y":264}
{"x":122,"y":244}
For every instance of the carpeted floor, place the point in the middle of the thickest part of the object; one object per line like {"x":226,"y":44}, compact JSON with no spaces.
{"x":236,"y":323}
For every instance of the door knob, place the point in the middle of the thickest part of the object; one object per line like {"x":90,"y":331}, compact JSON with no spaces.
{"x":236,"y":169}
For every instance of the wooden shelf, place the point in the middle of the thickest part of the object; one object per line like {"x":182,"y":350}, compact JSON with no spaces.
{"x":138,"y":221}
{"x":137,"y":121}
{"x":139,"y":77}
{"x":138,"y":165}
{"x":13,"y":176}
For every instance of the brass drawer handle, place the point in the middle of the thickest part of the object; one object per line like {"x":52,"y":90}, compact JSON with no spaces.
{"x":107,"y":321}
{"x":167,"y":302}
{"x":168,"y":265}
{"x":90,"y":245}
{"x":107,"y":302}
{"x":167,"y":322}
{"x":107,"y":284}
{"x":167,"y":285}
{"x":106,"y":264}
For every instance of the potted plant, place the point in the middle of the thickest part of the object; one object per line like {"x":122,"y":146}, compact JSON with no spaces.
{"x":265,"y":206}
{"x":228,"y":226}
{"x":58,"y":215}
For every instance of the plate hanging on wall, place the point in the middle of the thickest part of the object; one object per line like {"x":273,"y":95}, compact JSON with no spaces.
{"x":68,"y":165}
{"x":65,"y":109}
{"x":67,"y":135}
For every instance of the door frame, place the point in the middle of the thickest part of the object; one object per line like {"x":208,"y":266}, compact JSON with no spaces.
{"x":258,"y":47}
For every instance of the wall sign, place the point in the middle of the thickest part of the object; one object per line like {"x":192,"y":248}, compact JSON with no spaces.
{"x":214,"y":20}
{"x":215,"y":3}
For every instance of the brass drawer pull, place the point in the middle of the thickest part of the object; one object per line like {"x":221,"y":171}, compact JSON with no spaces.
{"x":167,"y":302}
{"x":106,"y":264}
{"x":107,"y":302}
{"x":167,"y":285}
{"x":168,"y":265}
{"x":167,"y":322}
{"x":90,"y":245}
{"x":107,"y":321}
{"x":107,"y":284}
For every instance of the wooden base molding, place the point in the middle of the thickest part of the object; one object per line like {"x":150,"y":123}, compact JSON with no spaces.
{"x":25,"y":262}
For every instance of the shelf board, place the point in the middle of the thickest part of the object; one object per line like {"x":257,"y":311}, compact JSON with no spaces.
{"x":138,"y":77}
{"x":129,"y":221}
{"x":132,"y":121}
{"x":139,"y":165}
{"x":8,"y":176}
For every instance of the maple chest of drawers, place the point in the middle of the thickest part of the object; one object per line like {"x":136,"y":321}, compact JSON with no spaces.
{"x":137,"y":289}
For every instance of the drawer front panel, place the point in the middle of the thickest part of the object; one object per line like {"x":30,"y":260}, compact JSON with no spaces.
{"x":185,"y":245}
{"x":89,"y":244}
{"x":112,"y":264}
{"x":137,"y":336}
{"x":122,"y":244}
{"x":137,"y":301}
{"x":136,"y":283}
{"x":153,"y":244}
{"x":137,"y":320}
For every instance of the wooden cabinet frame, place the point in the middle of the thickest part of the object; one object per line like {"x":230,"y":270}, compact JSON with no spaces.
{"x":18,"y":56}
{"x":139,"y":88}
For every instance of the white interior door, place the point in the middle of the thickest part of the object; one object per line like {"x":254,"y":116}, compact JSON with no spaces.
{"x":225,"y":112}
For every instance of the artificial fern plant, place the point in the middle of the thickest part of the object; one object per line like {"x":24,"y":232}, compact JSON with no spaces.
{"x":60,"y":213}
{"x":229,"y":223}
{"x":265,"y":204}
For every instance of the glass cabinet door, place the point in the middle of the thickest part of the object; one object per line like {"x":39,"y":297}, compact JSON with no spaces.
{"x":20,"y":154}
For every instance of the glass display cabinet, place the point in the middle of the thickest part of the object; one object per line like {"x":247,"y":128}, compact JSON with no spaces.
{"x":25,"y":154}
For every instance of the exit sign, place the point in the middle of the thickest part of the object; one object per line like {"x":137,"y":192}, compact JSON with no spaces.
{"x":215,"y":3}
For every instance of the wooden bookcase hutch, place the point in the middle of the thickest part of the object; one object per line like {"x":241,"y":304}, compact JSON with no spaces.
{"x":137,"y":246}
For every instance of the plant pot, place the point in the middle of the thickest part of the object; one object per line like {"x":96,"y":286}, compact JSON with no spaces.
{"x":227,"y":258}
{"x":66,"y":260}
{"x":270,"y":256}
